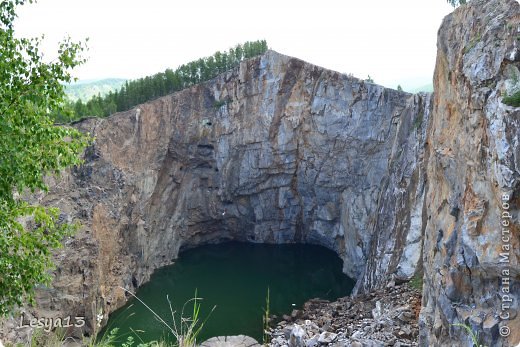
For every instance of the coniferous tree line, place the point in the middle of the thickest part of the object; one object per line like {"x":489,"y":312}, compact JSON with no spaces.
{"x":135,"y":92}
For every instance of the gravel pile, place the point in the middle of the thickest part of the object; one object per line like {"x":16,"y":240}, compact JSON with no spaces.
{"x":383,"y":318}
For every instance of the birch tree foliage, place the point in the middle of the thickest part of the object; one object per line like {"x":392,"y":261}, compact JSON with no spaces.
{"x":31,"y":147}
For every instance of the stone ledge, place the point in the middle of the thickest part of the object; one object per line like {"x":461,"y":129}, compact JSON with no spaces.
{"x":230,"y":341}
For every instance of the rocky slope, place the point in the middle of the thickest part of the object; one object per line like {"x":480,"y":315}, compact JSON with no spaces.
{"x":279,"y":150}
{"x":473,"y":173}
{"x":387,"y":317}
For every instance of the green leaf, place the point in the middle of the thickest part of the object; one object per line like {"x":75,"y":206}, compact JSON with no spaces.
{"x":31,"y":147}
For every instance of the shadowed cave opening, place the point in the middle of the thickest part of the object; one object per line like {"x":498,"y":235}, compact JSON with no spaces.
{"x":235,"y":277}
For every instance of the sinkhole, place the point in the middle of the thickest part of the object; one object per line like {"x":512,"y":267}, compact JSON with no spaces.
{"x":233,"y":278}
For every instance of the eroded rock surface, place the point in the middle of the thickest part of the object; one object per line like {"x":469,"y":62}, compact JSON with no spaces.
{"x":473,"y":171}
{"x":277,"y":150}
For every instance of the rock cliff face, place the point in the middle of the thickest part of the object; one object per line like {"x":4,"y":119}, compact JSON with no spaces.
{"x":471,"y":258}
{"x":279,"y":150}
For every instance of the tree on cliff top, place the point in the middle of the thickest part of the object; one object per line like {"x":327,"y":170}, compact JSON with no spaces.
{"x":31,"y":147}
{"x":456,"y":3}
{"x":137,"y":91}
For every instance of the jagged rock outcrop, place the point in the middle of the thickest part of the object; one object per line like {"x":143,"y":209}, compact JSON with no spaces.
{"x":473,"y":180}
{"x":398,"y":225}
{"x":277,"y":150}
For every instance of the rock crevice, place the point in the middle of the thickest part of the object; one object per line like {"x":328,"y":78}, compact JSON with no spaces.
{"x":472,"y":167}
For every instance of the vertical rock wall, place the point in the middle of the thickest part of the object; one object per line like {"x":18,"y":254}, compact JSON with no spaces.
{"x":473,"y":180}
{"x":277,"y":151}
{"x":398,"y":225}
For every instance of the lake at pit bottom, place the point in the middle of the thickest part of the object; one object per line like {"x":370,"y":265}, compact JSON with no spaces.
{"x":235,"y":278}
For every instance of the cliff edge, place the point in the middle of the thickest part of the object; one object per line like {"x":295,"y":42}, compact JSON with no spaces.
{"x":471,"y":243}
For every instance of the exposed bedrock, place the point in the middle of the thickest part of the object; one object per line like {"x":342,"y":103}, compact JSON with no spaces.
{"x":277,"y":151}
{"x":473,"y":178}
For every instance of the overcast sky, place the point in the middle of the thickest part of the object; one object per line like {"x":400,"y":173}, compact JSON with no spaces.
{"x":392,"y":40}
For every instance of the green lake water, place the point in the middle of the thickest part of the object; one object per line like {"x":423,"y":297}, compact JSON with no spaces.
{"x":235,"y":278}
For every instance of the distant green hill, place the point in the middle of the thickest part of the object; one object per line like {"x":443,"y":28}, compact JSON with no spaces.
{"x":85,"y":90}
{"x":141,"y":90}
{"x":426,"y":88}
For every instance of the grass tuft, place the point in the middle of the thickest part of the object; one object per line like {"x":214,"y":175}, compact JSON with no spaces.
{"x":512,"y":100}
{"x":418,"y":120}
{"x":188,"y":329}
{"x":265,"y":320}
{"x":472,"y":334}
{"x":417,"y":282}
